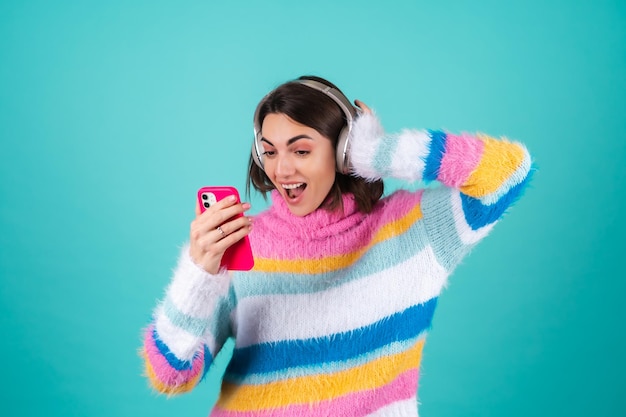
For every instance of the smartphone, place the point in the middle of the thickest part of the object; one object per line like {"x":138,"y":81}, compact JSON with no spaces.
{"x":238,"y":257}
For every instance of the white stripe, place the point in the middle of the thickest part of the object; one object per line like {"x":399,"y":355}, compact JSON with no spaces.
{"x":182,"y":344}
{"x":271,"y":318}
{"x":409,"y":158}
{"x":194,"y":291}
{"x":365,"y":134}
{"x":406,"y":408}
{"x":466,"y":234}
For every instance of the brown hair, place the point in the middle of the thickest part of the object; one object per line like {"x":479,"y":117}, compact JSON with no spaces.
{"x":315,"y":109}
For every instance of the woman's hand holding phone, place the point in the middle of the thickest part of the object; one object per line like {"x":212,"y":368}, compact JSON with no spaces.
{"x":218,"y":235}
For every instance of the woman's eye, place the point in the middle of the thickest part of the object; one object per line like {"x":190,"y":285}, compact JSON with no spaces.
{"x":269,"y":154}
{"x":302,"y":153}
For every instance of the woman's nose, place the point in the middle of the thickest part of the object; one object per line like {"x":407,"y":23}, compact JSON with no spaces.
{"x":284,"y":166}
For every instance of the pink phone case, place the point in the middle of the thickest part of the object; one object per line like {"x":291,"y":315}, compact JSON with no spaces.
{"x":238,"y":257}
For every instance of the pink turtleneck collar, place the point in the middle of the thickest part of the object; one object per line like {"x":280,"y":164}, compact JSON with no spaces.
{"x":319,"y":224}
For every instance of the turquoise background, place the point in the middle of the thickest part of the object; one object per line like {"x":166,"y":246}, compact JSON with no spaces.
{"x":113,"y":113}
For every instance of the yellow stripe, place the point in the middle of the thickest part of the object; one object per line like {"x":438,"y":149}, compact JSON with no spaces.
{"x":315,"y":388}
{"x":333,"y":263}
{"x":167,"y":389}
{"x":499,"y":161}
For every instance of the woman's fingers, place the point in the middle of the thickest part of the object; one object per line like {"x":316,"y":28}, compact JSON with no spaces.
{"x":233,"y":233}
{"x":223,"y":203}
{"x":363,"y":106}
{"x":215,"y":230}
{"x":208,"y":249}
{"x":217,"y":215}
{"x":233,"y":226}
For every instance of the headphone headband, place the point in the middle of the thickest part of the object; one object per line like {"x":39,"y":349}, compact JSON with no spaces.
{"x":350,"y":113}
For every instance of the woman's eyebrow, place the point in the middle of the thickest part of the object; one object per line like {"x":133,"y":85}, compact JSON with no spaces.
{"x":290,"y":141}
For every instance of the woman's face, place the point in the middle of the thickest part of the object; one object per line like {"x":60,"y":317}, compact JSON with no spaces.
{"x":299,"y":161}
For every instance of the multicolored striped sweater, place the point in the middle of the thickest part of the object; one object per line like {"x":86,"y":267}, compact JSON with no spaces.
{"x":333,"y":317}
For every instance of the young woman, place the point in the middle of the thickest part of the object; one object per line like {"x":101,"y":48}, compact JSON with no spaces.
{"x":333,"y":317}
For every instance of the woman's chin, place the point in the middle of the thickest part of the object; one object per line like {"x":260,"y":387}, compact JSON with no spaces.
{"x":299,"y":206}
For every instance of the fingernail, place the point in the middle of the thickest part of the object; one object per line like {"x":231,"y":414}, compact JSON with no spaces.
{"x":246,"y":206}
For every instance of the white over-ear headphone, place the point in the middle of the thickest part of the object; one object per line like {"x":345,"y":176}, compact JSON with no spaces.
{"x":343,"y":145}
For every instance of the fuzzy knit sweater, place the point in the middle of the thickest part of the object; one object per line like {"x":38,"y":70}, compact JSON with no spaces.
{"x":332,"y":319}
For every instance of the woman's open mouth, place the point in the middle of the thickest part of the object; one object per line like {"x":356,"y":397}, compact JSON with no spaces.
{"x":294,"y":191}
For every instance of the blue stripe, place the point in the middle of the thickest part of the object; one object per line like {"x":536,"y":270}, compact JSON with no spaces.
{"x":174,"y":362}
{"x":270,"y":357}
{"x":479,"y":215}
{"x":326,"y":368}
{"x":433,"y":161}
{"x":376,"y":259}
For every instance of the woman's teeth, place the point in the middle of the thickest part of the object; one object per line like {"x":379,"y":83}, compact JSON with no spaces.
{"x":294,"y":190}
{"x":292,"y":186}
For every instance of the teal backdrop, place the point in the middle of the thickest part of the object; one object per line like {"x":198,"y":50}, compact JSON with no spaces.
{"x":113,"y":113}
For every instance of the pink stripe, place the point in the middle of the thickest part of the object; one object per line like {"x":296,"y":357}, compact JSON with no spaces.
{"x":460,"y":159}
{"x":165,"y":373}
{"x":352,"y":405}
{"x":362,"y":231}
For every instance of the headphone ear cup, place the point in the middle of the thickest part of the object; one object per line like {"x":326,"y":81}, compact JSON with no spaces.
{"x":257,"y":151}
{"x":342,"y":153}
{"x":257,"y":147}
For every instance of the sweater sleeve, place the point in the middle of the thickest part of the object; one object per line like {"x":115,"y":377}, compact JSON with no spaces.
{"x":189,"y":327}
{"x":481,"y":177}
